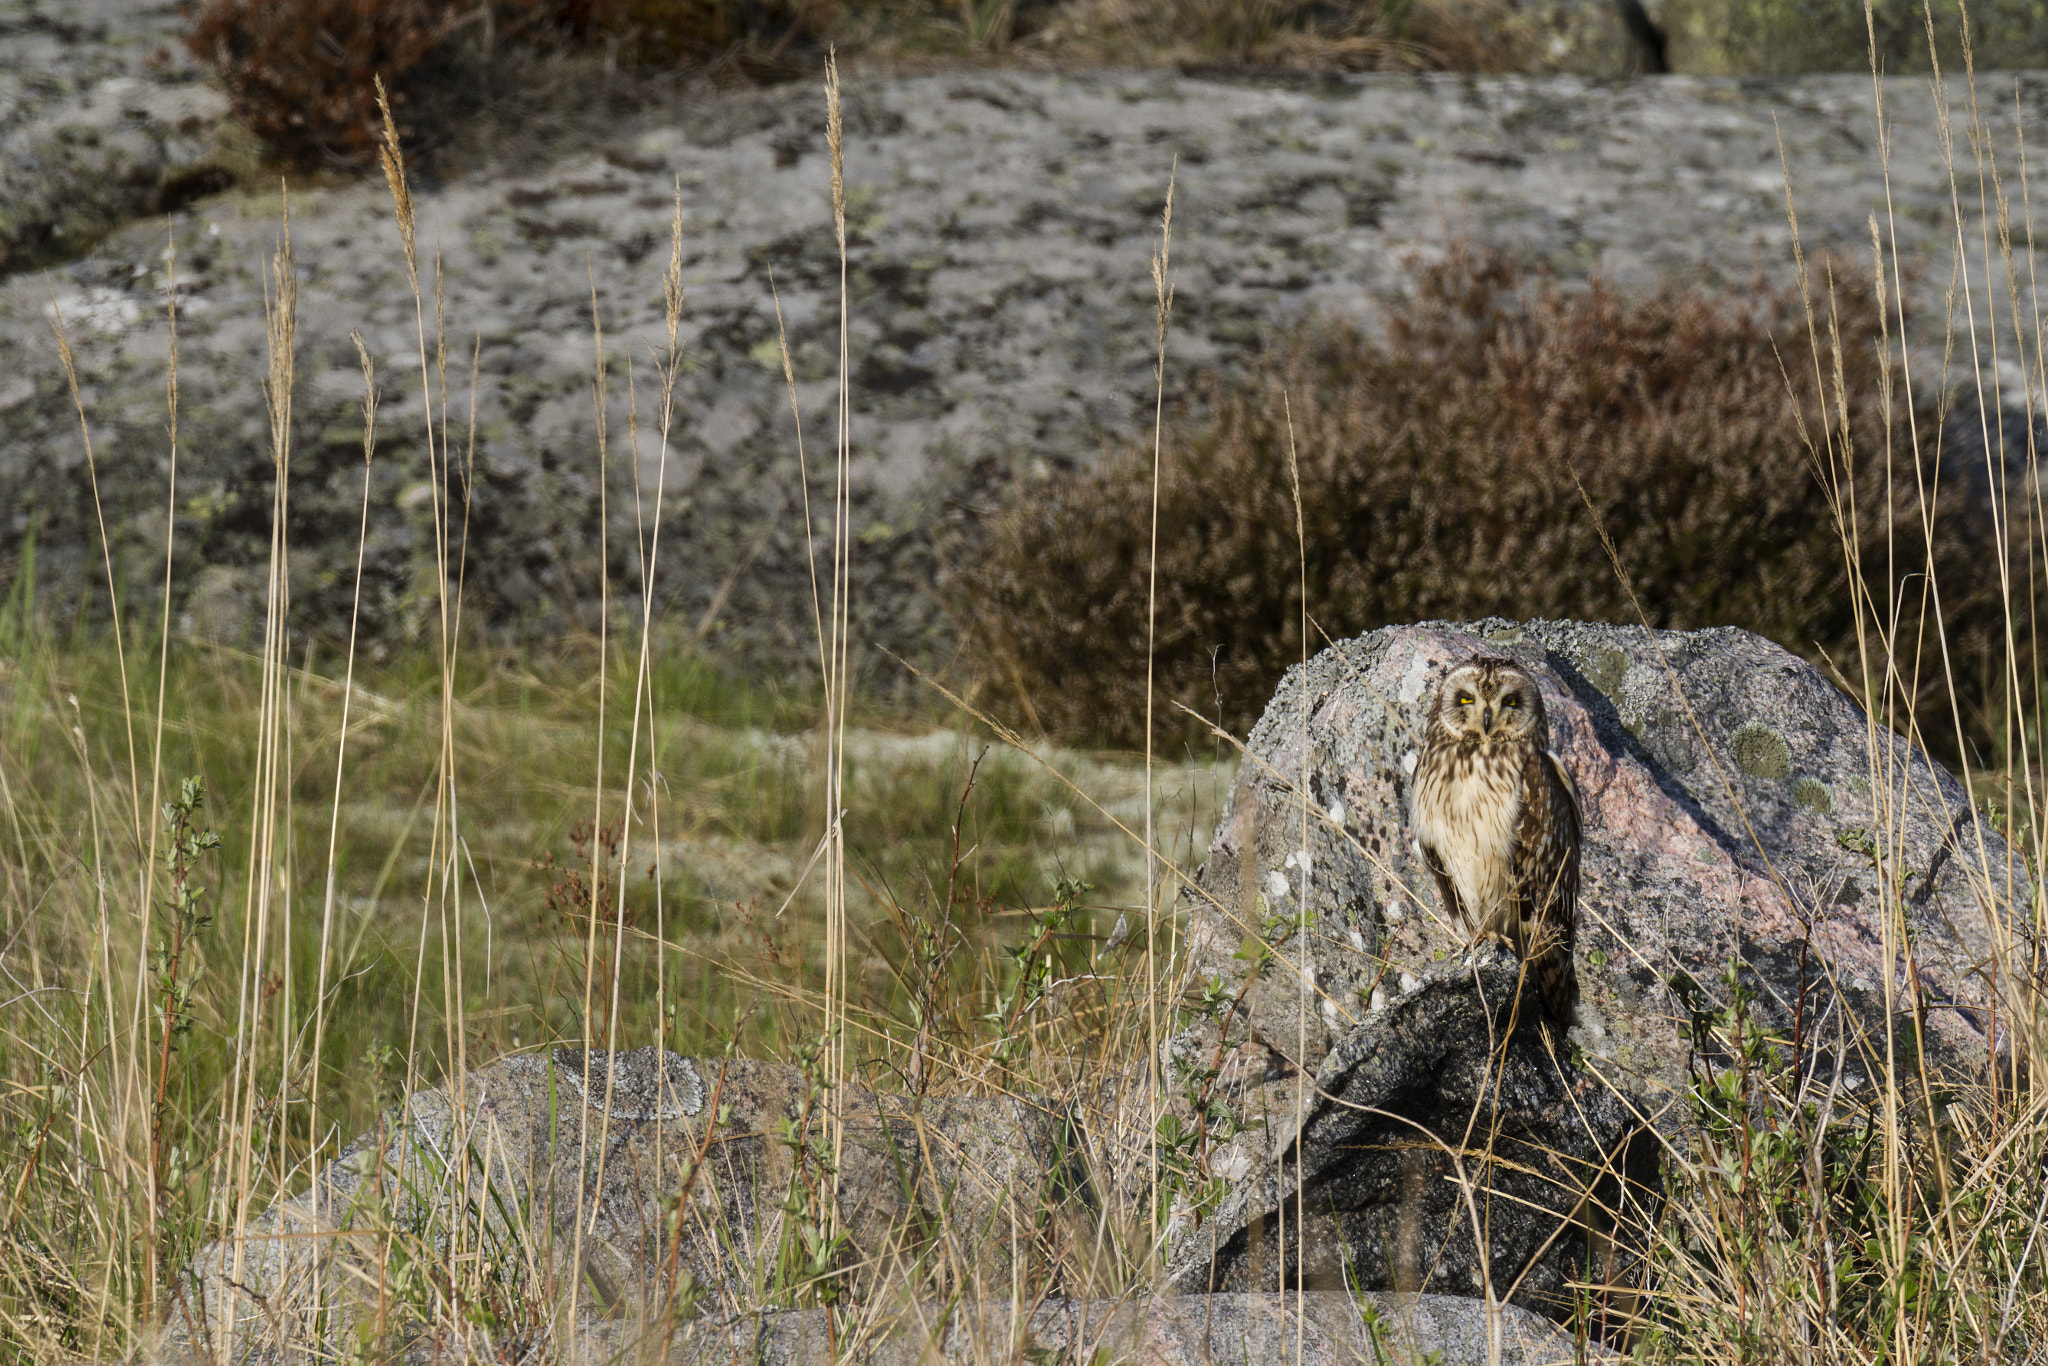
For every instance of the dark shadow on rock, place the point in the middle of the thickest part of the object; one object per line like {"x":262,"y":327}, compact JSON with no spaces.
{"x":1451,"y":1110}
{"x":1616,"y":737}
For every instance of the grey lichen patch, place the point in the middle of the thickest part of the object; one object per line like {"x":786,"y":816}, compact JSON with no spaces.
{"x":1813,"y":794}
{"x":647,"y":1083}
{"x":1760,"y":751}
{"x":1604,"y":666}
{"x":1509,"y":635}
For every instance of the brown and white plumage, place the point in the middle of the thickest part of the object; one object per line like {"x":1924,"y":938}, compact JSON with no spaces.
{"x":1498,"y":821}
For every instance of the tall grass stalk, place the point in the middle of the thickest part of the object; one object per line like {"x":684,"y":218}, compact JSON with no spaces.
{"x":1162,"y":288}
{"x":328,"y":882}
{"x":600,"y":372}
{"x":838,"y":685}
{"x":1304,"y":972}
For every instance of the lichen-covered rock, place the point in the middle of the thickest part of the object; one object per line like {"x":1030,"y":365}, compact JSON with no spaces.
{"x":1001,"y":316}
{"x":685,"y":1185}
{"x":1738,"y":810}
{"x":103,"y":118}
{"x":1319,"y":1328}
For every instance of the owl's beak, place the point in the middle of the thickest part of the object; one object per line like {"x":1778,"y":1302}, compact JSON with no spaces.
{"x":1486,"y":720}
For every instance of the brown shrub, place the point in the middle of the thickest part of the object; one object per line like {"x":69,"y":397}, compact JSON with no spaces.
{"x":1309,"y":35}
{"x":301,"y":73}
{"x":748,"y":32}
{"x":1437,"y":473}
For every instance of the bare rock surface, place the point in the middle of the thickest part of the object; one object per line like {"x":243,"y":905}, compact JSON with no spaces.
{"x":104,"y":117}
{"x":1736,"y":809}
{"x":1451,"y":1091}
{"x":1001,"y":310}
{"x":671,"y":1179}
{"x":1324,"y":1328}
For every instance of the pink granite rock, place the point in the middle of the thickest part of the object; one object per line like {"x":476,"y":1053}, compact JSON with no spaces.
{"x":1738,"y":809}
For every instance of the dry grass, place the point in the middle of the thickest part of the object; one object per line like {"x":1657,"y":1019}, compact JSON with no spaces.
{"x":423,"y":866}
{"x":392,"y":874}
{"x":1298,"y":35}
{"x":300,"y":73}
{"x":760,"y":35}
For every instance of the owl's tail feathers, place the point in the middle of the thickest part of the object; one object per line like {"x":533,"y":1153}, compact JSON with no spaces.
{"x":1557,"y":977}
{"x":1546,"y":947}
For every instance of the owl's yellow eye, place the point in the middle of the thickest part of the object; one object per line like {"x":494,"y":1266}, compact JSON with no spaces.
{"x":1511,"y":701}
{"x":1464,"y":699}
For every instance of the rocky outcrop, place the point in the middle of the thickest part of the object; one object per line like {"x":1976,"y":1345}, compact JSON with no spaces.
{"x":1002,"y":319}
{"x":104,"y":118}
{"x":1392,"y":1117}
{"x":1740,"y":814}
{"x":683,"y":1186}
{"x":450,"y":1232}
{"x":1319,"y":1328}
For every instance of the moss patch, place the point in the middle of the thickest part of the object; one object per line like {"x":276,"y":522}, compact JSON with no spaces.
{"x":1604,"y":668}
{"x":1813,"y":794}
{"x":1780,"y":37}
{"x":1760,"y":751}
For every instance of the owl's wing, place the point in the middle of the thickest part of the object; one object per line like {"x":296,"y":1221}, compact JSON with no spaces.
{"x":1546,"y":879}
{"x":1571,"y":788}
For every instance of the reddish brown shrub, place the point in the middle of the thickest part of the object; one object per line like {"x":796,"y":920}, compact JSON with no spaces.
{"x":301,"y":73}
{"x":1437,"y":473}
{"x":694,"y":31}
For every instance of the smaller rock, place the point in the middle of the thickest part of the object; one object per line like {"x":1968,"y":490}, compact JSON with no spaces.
{"x":683,"y":1184}
{"x":1318,"y":1329}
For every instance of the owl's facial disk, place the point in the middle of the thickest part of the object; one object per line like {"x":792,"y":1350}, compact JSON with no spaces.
{"x":1491,"y":704}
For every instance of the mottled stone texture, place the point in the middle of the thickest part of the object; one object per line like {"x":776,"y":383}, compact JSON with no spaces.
{"x":1001,"y":310}
{"x":1326,"y":1329}
{"x":494,"y":1173}
{"x":1730,"y":795}
{"x":104,"y":118}
{"x":506,"y":1166}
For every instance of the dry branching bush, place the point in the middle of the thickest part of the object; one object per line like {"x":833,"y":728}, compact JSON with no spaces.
{"x":1440,"y":478}
{"x":751,"y":33}
{"x":1308,"y":35}
{"x":301,"y":73}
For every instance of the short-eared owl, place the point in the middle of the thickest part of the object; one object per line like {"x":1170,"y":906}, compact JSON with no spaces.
{"x":1498,"y":821}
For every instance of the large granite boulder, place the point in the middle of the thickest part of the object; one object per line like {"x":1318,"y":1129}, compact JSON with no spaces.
{"x":1740,"y":812}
